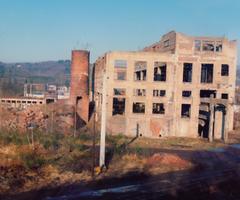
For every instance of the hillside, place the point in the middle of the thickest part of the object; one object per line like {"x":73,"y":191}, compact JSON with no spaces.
{"x":14,"y":75}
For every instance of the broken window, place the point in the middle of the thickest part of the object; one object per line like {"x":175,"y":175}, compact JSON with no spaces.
{"x":207,"y":73}
{"x":187,"y":72}
{"x":186,"y":110}
{"x":158,"y":108}
{"x":186,"y":93}
{"x":159,"y":93}
{"x":218,"y":46}
{"x":119,"y":91}
{"x":198,"y":45}
{"x":120,"y":69}
{"x":160,"y":71}
{"x":166,"y":43}
{"x":225,"y":70}
{"x":138,"y":107}
{"x":140,"y":73}
{"x":224,"y":96}
{"x":139,"y":92}
{"x":118,"y":106}
{"x":207,"y":93}
{"x":208,"y":46}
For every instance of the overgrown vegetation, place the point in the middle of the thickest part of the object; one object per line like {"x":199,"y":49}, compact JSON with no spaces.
{"x":62,"y":151}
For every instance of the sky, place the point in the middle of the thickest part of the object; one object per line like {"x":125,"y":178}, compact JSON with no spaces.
{"x":41,"y":30}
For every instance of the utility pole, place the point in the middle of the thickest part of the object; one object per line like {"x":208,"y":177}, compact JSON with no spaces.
{"x":103,"y":125}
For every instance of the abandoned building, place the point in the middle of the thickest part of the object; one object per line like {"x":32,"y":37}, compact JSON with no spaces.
{"x":180,"y":86}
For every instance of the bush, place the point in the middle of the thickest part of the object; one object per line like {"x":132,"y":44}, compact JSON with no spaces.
{"x":32,"y":159}
{"x":84,"y":137}
{"x":76,"y":162}
{"x":12,"y":137}
{"x":138,"y":150}
{"x":51,"y":140}
{"x":73,"y":144}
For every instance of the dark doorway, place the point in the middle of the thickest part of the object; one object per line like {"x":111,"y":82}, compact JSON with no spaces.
{"x":204,"y":117}
{"x":221,"y":108}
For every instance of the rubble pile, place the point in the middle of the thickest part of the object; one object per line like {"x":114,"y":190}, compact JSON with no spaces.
{"x":47,"y":118}
{"x":167,"y":159}
{"x":21,"y":120}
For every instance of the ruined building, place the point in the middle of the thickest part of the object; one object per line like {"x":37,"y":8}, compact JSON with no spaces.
{"x":79,"y":91}
{"x":180,"y":86}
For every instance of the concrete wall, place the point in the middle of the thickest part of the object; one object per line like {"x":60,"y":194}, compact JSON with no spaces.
{"x":181,"y":50}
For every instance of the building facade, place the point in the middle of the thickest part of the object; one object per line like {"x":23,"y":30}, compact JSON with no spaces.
{"x":180,"y":86}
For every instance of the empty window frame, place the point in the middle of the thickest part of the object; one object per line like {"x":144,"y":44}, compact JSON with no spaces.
{"x":138,"y":107}
{"x":140,"y":71}
{"x":207,"y":73}
{"x":224,"y":96}
{"x":158,"y":108}
{"x":208,"y":45}
{"x":186,"y":93}
{"x":139,"y":92}
{"x":166,"y":43}
{"x":197,"y":45}
{"x":118,"y":106}
{"x":160,"y":71}
{"x":119,"y":91}
{"x":187,"y":72}
{"x":186,"y":110}
{"x":159,"y":93}
{"x":120,"y":69}
{"x":225,"y":70}
{"x":219,"y":46}
{"x":207,"y":93}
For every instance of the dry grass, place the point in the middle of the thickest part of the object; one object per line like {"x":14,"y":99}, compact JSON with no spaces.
{"x":176,"y":143}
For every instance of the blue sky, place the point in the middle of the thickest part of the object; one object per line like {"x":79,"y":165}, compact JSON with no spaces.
{"x":39,"y":30}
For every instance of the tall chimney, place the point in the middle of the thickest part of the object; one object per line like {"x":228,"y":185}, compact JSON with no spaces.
{"x":79,"y":83}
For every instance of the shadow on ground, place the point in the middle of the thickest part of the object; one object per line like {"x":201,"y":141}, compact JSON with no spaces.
{"x":216,"y":176}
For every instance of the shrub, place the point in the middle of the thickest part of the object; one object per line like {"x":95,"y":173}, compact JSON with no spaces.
{"x":51,"y":140}
{"x":12,"y":137}
{"x":84,"y":137}
{"x":32,"y":159}
{"x":138,"y":150}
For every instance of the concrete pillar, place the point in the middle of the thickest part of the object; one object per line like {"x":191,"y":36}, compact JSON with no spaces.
{"x":225,"y":136}
{"x":211,"y":119}
{"x":103,"y":124}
